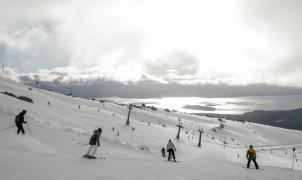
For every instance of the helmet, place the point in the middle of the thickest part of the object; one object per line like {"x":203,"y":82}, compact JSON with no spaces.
{"x":100,"y":130}
{"x":24,"y":111}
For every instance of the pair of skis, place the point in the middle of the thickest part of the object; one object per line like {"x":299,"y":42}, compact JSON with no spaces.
{"x":95,"y":158}
{"x":14,"y":126}
{"x":252,"y":168}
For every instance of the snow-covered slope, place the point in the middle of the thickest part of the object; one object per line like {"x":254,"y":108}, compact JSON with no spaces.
{"x":52,"y":151}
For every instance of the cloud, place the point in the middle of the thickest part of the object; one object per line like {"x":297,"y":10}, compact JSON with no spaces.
{"x":102,"y":87}
{"x":238,"y":42}
{"x":31,"y":46}
{"x":9,"y":73}
{"x":281,"y":23}
{"x":178,"y":61}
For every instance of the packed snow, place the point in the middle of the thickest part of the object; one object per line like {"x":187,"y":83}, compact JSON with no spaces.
{"x":54,"y":148}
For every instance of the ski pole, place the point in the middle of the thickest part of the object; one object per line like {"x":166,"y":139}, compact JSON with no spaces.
{"x":81,"y":145}
{"x":28,"y":129}
{"x":7,"y":128}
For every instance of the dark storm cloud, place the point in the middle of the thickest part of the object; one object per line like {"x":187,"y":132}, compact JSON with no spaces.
{"x":150,"y":89}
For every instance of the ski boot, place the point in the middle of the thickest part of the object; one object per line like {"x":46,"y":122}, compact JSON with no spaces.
{"x":92,"y":157}
{"x":86,"y":156}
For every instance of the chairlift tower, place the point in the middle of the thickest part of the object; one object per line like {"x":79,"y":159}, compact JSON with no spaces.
{"x":199,"y":141}
{"x":128,"y":118}
{"x":179,"y":125}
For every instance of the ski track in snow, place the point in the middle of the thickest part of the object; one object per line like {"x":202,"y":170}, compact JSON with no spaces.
{"x":52,"y":151}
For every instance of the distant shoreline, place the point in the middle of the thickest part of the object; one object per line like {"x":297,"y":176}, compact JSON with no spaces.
{"x":199,"y":107}
{"x":288,"y":119}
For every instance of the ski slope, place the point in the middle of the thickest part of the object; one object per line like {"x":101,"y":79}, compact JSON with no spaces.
{"x":53,"y":152}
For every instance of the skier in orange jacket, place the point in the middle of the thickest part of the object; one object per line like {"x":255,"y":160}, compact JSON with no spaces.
{"x":251,"y":156}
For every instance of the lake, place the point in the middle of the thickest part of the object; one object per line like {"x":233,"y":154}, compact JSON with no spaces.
{"x":237,"y":105}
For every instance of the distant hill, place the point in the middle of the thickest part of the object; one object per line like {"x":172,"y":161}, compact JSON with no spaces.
{"x":289,"y":119}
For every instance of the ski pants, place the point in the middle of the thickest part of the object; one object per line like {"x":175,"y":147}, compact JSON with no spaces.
{"x":92,"y":150}
{"x":20,"y":128}
{"x":255,"y":162}
{"x":171,"y":153}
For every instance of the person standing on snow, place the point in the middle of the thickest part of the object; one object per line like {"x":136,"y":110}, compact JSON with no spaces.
{"x":170,"y":149}
{"x":163,"y":152}
{"x":19,"y":120}
{"x":251,"y":156}
{"x":94,"y":142}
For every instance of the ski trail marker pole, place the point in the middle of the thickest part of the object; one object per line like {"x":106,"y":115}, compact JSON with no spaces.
{"x":294,"y":156}
{"x":28,"y":129}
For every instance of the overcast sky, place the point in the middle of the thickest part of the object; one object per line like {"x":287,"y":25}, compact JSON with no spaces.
{"x":234,"y":42}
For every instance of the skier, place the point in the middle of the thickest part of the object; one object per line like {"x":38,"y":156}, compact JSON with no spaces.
{"x":163,"y":152}
{"x":94,"y":143}
{"x":19,"y":120}
{"x":251,"y":156}
{"x":170,"y":149}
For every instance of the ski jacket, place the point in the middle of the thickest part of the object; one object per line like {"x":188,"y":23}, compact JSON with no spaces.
{"x":19,"y":119}
{"x":95,"y":139}
{"x":251,"y":153}
{"x":170,"y":145}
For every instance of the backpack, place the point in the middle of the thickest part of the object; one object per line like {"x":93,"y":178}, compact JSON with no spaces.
{"x":251,"y":153}
{"x":17,"y":119}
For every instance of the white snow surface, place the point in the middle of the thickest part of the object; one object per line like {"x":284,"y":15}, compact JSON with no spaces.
{"x":52,"y":152}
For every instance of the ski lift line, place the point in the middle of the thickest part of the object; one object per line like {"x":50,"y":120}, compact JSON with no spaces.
{"x":277,"y":147}
{"x":284,"y":148}
{"x":259,"y":147}
{"x":270,"y":145}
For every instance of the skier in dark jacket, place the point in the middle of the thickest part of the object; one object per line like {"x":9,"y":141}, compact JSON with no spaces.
{"x":94,"y":142}
{"x":19,"y":120}
{"x":251,"y":156}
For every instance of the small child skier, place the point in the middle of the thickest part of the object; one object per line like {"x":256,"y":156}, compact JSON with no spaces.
{"x":163,"y":152}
